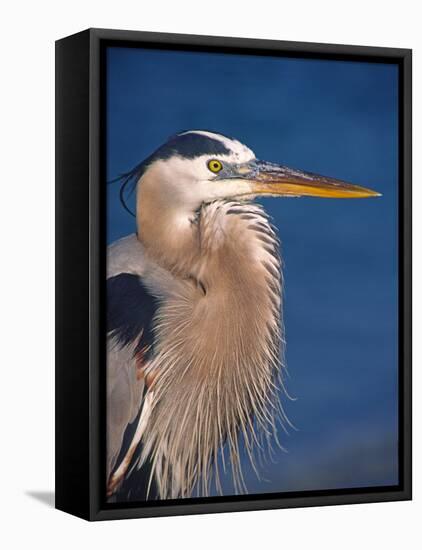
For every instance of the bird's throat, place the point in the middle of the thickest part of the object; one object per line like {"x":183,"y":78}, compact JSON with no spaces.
{"x":168,"y":234}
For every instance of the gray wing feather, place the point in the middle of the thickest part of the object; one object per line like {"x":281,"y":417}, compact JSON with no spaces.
{"x":130,"y":312}
{"x":124,"y":397}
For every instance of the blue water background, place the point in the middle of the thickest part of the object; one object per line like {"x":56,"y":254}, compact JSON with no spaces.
{"x":331,"y":117}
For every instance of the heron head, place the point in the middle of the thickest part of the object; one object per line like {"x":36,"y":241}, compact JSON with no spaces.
{"x":197,"y":167}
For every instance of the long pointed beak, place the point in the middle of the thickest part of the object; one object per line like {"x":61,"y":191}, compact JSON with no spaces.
{"x":276,"y":180}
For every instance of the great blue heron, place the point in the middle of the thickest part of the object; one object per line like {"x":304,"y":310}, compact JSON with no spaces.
{"x":195,"y":336}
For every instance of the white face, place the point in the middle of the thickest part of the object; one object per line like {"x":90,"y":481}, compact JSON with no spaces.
{"x":194,"y":181}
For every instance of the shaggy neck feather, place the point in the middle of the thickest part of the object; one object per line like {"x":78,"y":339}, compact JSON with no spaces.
{"x":219,"y":340}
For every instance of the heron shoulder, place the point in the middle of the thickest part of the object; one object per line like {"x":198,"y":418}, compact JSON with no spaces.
{"x":126,"y":255}
{"x":130,"y":311}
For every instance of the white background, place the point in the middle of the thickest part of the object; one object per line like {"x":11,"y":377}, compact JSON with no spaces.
{"x":29,"y":29}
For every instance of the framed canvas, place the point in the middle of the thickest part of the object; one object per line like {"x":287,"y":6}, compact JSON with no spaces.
{"x":233,"y":274}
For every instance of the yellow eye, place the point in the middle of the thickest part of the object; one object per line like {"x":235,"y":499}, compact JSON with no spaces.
{"x":214,"y":165}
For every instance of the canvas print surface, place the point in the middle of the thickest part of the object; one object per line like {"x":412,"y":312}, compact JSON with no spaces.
{"x":252,"y":275}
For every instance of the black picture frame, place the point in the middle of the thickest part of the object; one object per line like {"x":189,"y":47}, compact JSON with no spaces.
{"x":80,"y":268}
